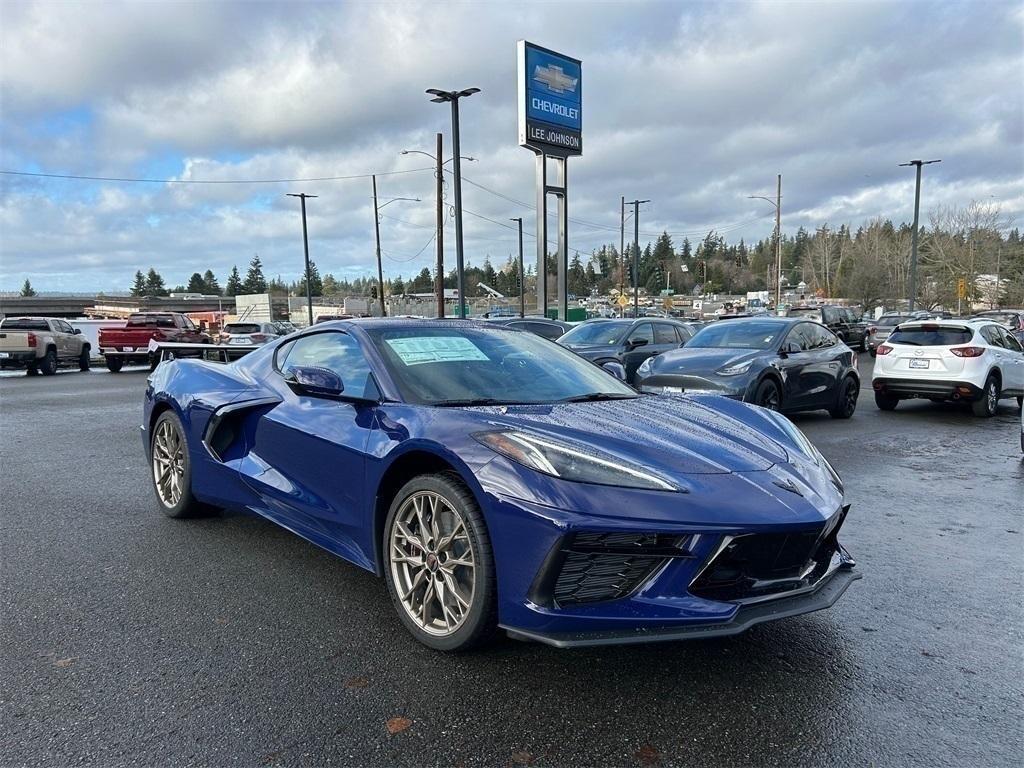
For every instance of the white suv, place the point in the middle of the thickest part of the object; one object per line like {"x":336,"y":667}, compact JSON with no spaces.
{"x":971,"y":360}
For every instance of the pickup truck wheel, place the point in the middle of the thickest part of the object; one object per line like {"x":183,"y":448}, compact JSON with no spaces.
{"x":83,"y":359}
{"x":153,"y":361}
{"x":171,"y":469}
{"x":32,"y":370}
{"x":48,"y":365}
{"x":113,"y":364}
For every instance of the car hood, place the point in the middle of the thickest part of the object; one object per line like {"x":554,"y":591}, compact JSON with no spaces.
{"x":678,"y":435}
{"x":594,"y":351}
{"x":701,"y":359}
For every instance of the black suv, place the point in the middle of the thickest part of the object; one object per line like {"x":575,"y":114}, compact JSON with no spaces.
{"x":844,"y":322}
{"x":626,"y":341}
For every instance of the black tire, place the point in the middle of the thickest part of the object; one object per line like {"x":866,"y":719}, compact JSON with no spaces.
{"x":1020,"y":403}
{"x":113,"y":363}
{"x":864,"y":344}
{"x":886,"y":402}
{"x":48,"y":364}
{"x":874,"y":353}
{"x":153,"y":361}
{"x":83,"y":358}
{"x":481,"y":619}
{"x":768,"y":395}
{"x":986,"y":405}
{"x":186,"y":505}
{"x":846,"y":400}
{"x":31,"y":370}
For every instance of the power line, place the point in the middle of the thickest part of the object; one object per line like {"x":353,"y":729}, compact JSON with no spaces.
{"x":208,"y":181}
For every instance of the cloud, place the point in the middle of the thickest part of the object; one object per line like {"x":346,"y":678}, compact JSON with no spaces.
{"x":694,"y":106}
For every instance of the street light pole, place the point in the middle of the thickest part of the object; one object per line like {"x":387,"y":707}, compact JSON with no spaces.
{"x":453,"y":97}
{"x":376,"y":229}
{"x":777,"y":202}
{"x":912,"y":286}
{"x":522,"y":278}
{"x":305,"y":246}
{"x":636,"y":256}
{"x":439,"y":192}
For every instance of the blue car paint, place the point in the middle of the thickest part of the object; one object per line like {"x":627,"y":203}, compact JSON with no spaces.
{"x":315,"y":466}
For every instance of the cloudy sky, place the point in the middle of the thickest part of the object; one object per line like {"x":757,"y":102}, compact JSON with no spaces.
{"x":693,"y":105}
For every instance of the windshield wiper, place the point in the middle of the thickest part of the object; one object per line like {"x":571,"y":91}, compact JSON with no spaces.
{"x":474,"y":401}
{"x":594,"y":396}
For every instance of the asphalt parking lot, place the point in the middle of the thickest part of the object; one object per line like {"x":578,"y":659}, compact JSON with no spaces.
{"x":130,"y":638}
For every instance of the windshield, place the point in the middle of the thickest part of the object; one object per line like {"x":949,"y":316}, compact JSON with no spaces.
{"x":805,"y":312}
{"x":1006,"y":318}
{"x":242,"y":328}
{"x":595,"y":333}
{"x":488,"y":366}
{"x":24,"y":324}
{"x":743,"y":334}
{"x":161,"y":321}
{"x":892,"y":319}
{"x":930,"y":336}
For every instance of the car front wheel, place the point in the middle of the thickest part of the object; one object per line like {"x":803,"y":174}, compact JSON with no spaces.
{"x":985,"y":406}
{"x":768,"y":395}
{"x":438,"y":563}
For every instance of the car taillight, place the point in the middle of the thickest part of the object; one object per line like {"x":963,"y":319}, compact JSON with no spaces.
{"x":259,"y":337}
{"x":31,"y":338}
{"x":885,"y":349}
{"x":158,"y":335}
{"x":968,"y":351}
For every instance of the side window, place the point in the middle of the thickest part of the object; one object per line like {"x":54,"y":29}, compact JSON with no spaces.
{"x":335,"y":351}
{"x":828,"y":316}
{"x":665,"y":334}
{"x":683,"y":334}
{"x":642,"y":331}
{"x":800,"y":337}
{"x":545,"y":330}
{"x":187,"y":323}
{"x":64,"y":327}
{"x":991,"y":334}
{"x":824,"y":338}
{"x":1010,"y":342}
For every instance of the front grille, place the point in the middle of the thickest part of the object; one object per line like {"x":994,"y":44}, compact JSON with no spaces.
{"x":767,"y":564}
{"x":597,"y":567}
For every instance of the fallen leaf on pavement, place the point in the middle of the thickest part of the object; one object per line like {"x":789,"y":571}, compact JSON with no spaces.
{"x":65,"y":662}
{"x":647,"y":755}
{"x":522,"y":758}
{"x":357,"y":682}
{"x":398,"y":724}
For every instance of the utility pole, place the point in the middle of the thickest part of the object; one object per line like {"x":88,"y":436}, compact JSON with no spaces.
{"x":636,"y":255}
{"x":439,"y":277}
{"x":999,"y":258}
{"x":912,"y":288}
{"x":380,"y":267}
{"x":522,"y":277}
{"x":305,"y":245}
{"x":778,"y":241}
{"x":622,"y":249}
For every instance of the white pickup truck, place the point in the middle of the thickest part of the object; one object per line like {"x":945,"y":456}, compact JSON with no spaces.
{"x":40,"y":344}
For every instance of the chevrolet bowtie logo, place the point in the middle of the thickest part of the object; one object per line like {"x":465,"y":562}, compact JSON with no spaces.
{"x":555,"y":78}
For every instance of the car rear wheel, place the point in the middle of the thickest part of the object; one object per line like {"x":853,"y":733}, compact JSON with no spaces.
{"x":846,"y":403}
{"x":31,"y":370}
{"x":172,"y":469}
{"x":438,"y":563}
{"x":885,"y":401}
{"x":985,"y":406}
{"x":83,"y":359}
{"x":113,"y":364}
{"x":768,"y":395}
{"x":48,"y":365}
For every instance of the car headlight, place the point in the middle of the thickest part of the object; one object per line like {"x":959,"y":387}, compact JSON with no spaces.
{"x":735,"y":370}
{"x":572,"y":461}
{"x":645,"y":367}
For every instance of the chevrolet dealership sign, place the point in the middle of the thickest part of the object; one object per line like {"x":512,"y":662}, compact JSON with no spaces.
{"x":550,"y":101}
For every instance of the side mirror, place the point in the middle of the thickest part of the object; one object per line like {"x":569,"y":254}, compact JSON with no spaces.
{"x":78,"y":331}
{"x":615,"y":369}
{"x":790,"y":348}
{"x":634,"y":343}
{"x":316,"y":381}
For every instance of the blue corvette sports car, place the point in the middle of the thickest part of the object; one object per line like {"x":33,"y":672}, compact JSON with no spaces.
{"x":496,"y":479}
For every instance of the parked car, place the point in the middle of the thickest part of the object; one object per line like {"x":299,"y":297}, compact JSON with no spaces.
{"x":130,"y":345}
{"x":248,"y":333}
{"x":542,"y":326}
{"x":625,"y":341}
{"x":1011,"y":318}
{"x":41,"y":344}
{"x":974,"y":361}
{"x":331,"y":318}
{"x":495,"y":479}
{"x":879,"y":330}
{"x":284,"y":327}
{"x":783,"y":364}
{"x":842,"y":321}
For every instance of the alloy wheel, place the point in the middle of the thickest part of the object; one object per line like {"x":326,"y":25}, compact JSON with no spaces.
{"x":770,"y":399}
{"x":992,"y":397}
{"x":432,"y":563}
{"x":168,"y":463}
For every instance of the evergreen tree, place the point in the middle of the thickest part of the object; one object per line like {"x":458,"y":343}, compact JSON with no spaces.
{"x":315,"y":283}
{"x":577,"y":282}
{"x":196,"y":284}
{"x":330,"y":285}
{"x":686,"y":252}
{"x":26,"y":289}
{"x":139,"y":287}
{"x":234,"y":284}
{"x":210,"y":285}
{"x":255,"y":282}
{"x":154,"y":284}
{"x":397,"y":287}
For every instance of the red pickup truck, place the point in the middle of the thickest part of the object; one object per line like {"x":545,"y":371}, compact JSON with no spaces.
{"x":130,"y":345}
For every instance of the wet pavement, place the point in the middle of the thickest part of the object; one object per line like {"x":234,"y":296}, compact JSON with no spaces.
{"x":129,"y":638}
